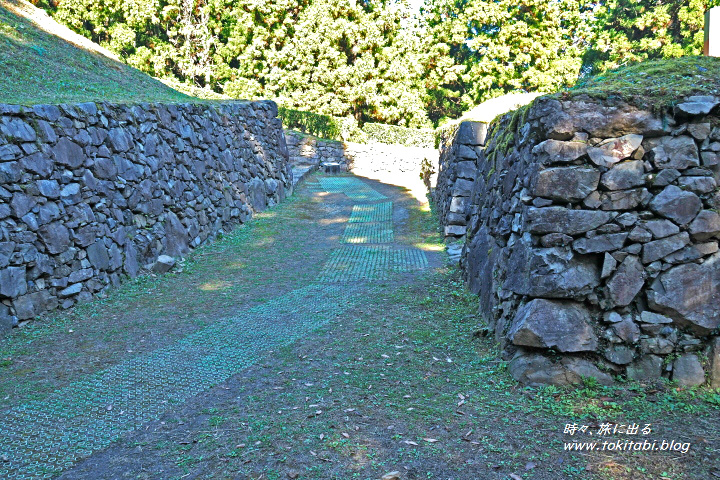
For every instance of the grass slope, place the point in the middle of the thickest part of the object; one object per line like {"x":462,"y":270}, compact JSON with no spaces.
{"x":44,"y":62}
{"x":654,"y":83}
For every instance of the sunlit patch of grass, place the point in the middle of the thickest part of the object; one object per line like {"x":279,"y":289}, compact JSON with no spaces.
{"x":215,"y":285}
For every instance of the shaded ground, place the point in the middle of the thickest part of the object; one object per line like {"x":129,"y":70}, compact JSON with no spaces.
{"x":393,"y":381}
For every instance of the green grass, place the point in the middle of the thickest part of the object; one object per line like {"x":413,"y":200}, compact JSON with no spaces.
{"x":655,"y":83}
{"x":37,"y":67}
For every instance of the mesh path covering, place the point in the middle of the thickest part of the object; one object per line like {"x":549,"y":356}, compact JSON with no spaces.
{"x":40,"y":439}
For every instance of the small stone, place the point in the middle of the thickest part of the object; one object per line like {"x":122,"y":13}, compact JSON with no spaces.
{"x":612,"y":317}
{"x":699,"y":131}
{"x":70,"y":291}
{"x":163,"y":264}
{"x":13,"y":282}
{"x":627,"y":330}
{"x":626,"y":282}
{"x":600,"y":243}
{"x":660,"y":346}
{"x":665,"y":177}
{"x":609,"y":265}
{"x":698,"y":185}
{"x":687,"y":371}
{"x":659,"y":249}
{"x":714,"y":371}
{"x":710,"y":159}
{"x":392,"y":476}
{"x":619,"y":354}
{"x":555,"y":240}
{"x":689,"y":295}
{"x":655,"y":318}
{"x":613,"y":150}
{"x":627,"y":219}
{"x":623,"y":199}
{"x":661,"y":228}
{"x":68,"y":153}
{"x":639,"y":234}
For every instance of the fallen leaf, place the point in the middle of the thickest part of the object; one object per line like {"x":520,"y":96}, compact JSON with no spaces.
{"x":410,"y":442}
{"x":530,"y":465}
{"x":345,"y":435}
{"x":515,"y":477}
{"x":431,"y":440}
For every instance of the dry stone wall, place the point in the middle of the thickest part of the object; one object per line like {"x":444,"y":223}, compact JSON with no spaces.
{"x":91,"y":193}
{"x":592,"y":238}
{"x":392,"y":163}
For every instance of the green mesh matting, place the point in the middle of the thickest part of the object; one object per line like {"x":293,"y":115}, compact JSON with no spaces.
{"x":371,"y":262}
{"x":374,"y":212}
{"x":352,"y":187}
{"x":376,"y":232}
{"x":42,"y":438}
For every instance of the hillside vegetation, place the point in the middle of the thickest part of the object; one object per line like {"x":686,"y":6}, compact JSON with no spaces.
{"x":44,"y":62}
{"x":410,"y":63}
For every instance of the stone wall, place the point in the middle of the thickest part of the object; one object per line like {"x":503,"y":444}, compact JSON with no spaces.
{"x":592,"y":238}
{"x":460,"y":148}
{"x":92,"y":193}
{"x":394,"y":164}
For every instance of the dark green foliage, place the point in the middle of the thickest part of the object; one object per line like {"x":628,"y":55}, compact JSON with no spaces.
{"x":378,"y":61}
{"x":629,"y":31}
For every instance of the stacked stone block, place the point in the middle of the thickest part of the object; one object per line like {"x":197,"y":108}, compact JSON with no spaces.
{"x":91,"y":193}
{"x":460,"y":149}
{"x":592,"y":239}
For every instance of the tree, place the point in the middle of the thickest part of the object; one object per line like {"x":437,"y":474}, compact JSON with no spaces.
{"x":483,"y":49}
{"x":628,"y":31}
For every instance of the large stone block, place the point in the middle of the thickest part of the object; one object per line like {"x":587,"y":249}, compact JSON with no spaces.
{"x":557,"y":151}
{"x":563,"y":326}
{"x":614,"y":150}
{"x":472,"y":133}
{"x":676,"y":204}
{"x":550,"y":272}
{"x":563,"y":220}
{"x":645,"y":369}
{"x":674,"y":152}
{"x":687,"y":371}
{"x":566,"y":183}
{"x":689,"y":294}
{"x":533,"y":369}
{"x":68,"y":153}
{"x":56,"y":237}
{"x":13,"y":282}
{"x":33,"y":304}
{"x":624,"y":175}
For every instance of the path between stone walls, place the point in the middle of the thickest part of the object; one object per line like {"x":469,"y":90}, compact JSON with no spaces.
{"x":41,"y":438}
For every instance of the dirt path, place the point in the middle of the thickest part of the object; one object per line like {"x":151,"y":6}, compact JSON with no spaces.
{"x":325,"y":339}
